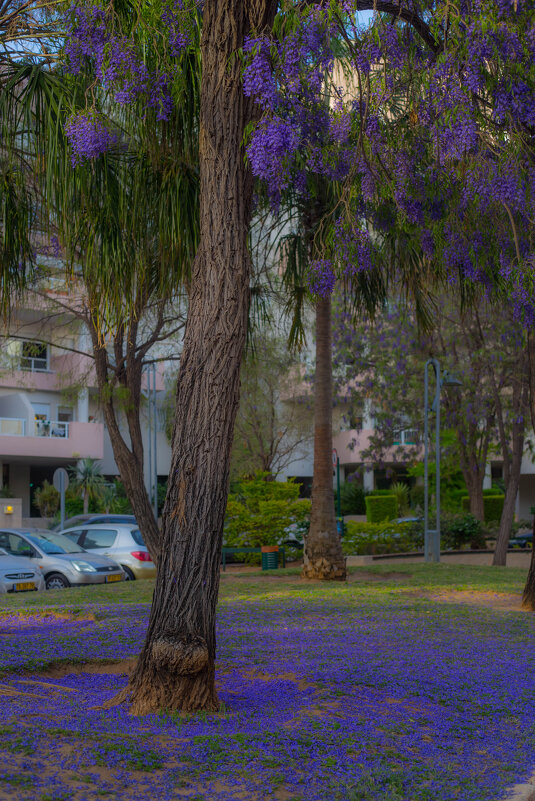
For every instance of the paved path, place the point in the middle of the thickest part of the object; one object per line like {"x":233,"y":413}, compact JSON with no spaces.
{"x":514,"y":559}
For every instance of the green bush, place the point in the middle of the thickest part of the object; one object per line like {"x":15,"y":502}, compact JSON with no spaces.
{"x":401,"y":491}
{"x":259,"y":512}
{"x":459,"y":530}
{"x":352,"y":499}
{"x":47,"y":499}
{"x":492,"y":505}
{"x":381,"y":538}
{"x":381,"y":507}
{"x":417,"y":498}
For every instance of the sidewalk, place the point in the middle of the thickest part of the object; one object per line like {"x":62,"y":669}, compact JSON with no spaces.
{"x":514,"y":559}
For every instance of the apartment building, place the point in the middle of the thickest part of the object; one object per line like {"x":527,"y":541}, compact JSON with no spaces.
{"x":49,"y":402}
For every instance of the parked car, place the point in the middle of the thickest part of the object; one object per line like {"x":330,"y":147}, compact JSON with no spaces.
{"x":522,"y":539}
{"x":18,"y":574}
{"x":122,"y":542}
{"x":90,"y":519}
{"x":63,"y":563}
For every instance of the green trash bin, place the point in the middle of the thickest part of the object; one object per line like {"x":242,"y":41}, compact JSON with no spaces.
{"x":270,"y":557}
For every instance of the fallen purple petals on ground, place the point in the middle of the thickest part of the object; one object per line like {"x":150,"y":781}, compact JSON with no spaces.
{"x":345,"y":699}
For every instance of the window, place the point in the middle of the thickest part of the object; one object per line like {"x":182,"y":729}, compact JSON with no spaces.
{"x":74,"y":535}
{"x":34,"y":357}
{"x":137,"y":536}
{"x":103,"y":538}
{"x":15,"y":545}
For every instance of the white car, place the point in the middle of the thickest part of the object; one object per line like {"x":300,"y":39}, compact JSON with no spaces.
{"x":18,"y":574}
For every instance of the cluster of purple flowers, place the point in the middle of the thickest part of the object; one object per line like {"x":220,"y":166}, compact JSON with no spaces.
{"x":89,"y":136}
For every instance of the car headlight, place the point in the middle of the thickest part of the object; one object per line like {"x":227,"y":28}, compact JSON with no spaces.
{"x":83,"y":567}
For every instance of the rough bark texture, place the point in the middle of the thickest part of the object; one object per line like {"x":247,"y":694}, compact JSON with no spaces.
{"x":175,"y":669}
{"x":323,"y":557}
{"x":528,"y":597}
{"x":514,"y":463}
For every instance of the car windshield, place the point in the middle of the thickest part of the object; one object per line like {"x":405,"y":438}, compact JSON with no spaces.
{"x":52,"y":543}
{"x":137,"y":536}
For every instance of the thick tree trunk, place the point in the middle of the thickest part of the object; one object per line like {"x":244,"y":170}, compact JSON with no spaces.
{"x":323,"y":557}
{"x":175,"y":669}
{"x":528,"y":598}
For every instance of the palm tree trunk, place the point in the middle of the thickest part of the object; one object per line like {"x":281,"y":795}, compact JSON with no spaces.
{"x":323,"y":557}
{"x":176,"y":667}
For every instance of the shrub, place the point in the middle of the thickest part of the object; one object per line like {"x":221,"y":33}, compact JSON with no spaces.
{"x":381,"y":507}
{"x":381,"y":538}
{"x":492,"y":505}
{"x":352,"y":499}
{"x":459,"y":530}
{"x":417,"y":494}
{"x":47,"y":499}
{"x":401,"y":491}
{"x":259,"y":512}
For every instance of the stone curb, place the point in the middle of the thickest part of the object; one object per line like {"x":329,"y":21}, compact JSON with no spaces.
{"x":521,"y":792}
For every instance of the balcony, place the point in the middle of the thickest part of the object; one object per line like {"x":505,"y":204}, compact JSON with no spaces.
{"x":50,"y":439}
{"x":409,"y":436}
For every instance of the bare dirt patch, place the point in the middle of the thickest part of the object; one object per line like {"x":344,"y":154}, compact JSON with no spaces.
{"x":123,"y":667}
{"x":498,"y":601}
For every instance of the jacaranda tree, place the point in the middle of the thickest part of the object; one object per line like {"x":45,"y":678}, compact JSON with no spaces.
{"x":472,"y":107}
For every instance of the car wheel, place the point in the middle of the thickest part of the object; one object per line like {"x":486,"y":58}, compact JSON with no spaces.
{"x":129,"y":576}
{"x":55,"y":581}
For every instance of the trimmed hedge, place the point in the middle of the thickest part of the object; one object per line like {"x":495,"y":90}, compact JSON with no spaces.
{"x":386,"y":537}
{"x":381,"y":507}
{"x":492,"y":506}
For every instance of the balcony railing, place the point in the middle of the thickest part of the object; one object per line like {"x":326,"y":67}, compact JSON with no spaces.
{"x":16,"y":427}
{"x":409,"y":436}
{"x":12,"y":426}
{"x":51,"y":428}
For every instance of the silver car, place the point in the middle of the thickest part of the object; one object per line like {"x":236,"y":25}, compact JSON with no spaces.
{"x":62,"y":562}
{"x":123,"y":542}
{"x":18,"y":574}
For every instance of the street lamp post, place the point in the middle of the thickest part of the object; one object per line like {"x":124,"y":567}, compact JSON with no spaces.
{"x":431,"y":548}
{"x":432,"y":536}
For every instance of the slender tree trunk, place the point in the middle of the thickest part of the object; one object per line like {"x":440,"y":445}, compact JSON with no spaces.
{"x":474,"y":484}
{"x":129,"y":460}
{"x":515,"y":465}
{"x":176,"y":666}
{"x":323,"y":557}
{"x":528,"y":598}
{"x":86,"y":500}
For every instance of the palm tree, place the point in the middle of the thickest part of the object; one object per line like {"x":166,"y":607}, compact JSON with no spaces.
{"x":129,"y":258}
{"x":87,"y":480}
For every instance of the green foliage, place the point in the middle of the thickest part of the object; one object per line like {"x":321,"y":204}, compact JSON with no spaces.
{"x":6,"y":492}
{"x":459,"y":530}
{"x":259,"y":511}
{"x":417,"y":496}
{"x":352,"y":499}
{"x":378,"y":538}
{"x":401,"y":491}
{"x":492,"y":505}
{"x":47,"y":499}
{"x":381,"y":507}
{"x":87,"y":480}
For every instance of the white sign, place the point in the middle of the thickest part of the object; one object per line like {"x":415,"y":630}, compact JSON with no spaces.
{"x":56,"y":478}
{"x":335,"y":457}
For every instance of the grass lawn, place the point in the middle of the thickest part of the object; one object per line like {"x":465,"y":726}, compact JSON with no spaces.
{"x":408,"y":683}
